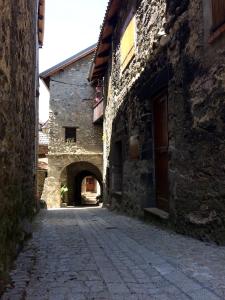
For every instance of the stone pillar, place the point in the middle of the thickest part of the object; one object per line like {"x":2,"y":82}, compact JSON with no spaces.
{"x":52,"y":192}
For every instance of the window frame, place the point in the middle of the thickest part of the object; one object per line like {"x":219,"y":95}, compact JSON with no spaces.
{"x":216,"y":23}
{"x":70,"y":139}
{"x":131,"y":16}
{"x":214,"y":30}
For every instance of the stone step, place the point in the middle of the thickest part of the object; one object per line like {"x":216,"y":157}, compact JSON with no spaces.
{"x":157,"y":212}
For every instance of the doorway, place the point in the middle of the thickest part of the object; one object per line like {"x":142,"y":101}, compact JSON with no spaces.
{"x":83,"y":180}
{"x":90,"y":184}
{"x":160,"y":112}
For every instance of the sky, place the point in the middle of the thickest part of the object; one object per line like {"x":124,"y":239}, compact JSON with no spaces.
{"x":70,"y":26}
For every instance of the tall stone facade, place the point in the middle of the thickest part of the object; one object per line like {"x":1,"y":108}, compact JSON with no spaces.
{"x":71,"y":107}
{"x":18,"y":45}
{"x":164,"y":113}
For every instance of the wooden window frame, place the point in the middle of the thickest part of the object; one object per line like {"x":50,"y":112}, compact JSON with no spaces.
{"x":218,"y":26}
{"x":217,"y":21}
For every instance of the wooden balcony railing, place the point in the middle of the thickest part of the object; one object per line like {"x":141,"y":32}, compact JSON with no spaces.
{"x":98,"y":112}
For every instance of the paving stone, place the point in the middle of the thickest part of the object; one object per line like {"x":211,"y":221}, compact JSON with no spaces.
{"x":203,"y":294}
{"x":95,"y":286}
{"x":117,"y":288}
{"x":72,"y":257}
{"x":182,"y":281}
{"x":164,"y":268}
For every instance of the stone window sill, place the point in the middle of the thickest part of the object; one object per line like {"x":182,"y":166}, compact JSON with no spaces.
{"x":157,"y":212}
{"x":216,"y":34}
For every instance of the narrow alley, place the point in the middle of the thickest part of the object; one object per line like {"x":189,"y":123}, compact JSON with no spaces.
{"x":91,"y":253}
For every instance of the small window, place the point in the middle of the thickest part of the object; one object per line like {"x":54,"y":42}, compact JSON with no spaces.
{"x":127,"y":44}
{"x":218,"y":13}
{"x":70,"y":134}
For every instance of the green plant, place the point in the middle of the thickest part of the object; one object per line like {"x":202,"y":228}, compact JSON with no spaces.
{"x":63,"y":191}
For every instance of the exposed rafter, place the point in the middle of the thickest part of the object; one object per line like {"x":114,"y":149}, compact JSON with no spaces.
{"x":104,"y":53}
{"x":107,"y":40}
{"x":102,"y":66}
{"x":103,"y":49}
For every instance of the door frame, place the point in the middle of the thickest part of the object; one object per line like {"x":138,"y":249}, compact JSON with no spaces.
{"x":162,"y":93}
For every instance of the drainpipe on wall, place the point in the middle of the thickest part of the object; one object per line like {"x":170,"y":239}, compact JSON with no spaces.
{"x":36,"y":105}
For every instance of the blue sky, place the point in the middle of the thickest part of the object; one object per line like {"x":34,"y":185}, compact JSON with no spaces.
{"x":70,"y":26}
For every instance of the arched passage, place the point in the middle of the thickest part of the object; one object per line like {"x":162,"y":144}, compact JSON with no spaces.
{"x":73,"y":177}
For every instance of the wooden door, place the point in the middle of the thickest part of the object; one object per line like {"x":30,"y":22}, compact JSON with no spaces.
{"x":90,"y":184}
{"x":161,"y":151}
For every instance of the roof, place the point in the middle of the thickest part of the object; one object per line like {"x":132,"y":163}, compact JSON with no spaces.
{"x":103,"y":48}
{"x":45,"y":76}
{"x":45,"y":124}
{"x":43,"y":138}
{"x":41,"y":18}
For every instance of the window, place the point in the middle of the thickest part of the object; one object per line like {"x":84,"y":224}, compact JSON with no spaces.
{"x":127,"y":44}
{"x":70,"y":134}
{"x":218,"y":13}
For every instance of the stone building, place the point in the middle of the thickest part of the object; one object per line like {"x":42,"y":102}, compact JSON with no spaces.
{"x":75,"y":138}
{"x":42,"y":167}
{"x":163,"y":65}
{"x":21,"y":33}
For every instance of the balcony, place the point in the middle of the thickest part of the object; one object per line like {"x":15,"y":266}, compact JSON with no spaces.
{"x":98,"y":112}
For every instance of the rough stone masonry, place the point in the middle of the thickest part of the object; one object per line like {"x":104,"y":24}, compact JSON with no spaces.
{"x":17,"y":125}
{"x":71,"y":105}
{"x":180,"y":53}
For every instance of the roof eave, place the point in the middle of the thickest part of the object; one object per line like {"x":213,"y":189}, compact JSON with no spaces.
{"x":45,"y":76}
{"x":41,"y":22}
{"x":46,"y":81}
{"x":103,"y":50}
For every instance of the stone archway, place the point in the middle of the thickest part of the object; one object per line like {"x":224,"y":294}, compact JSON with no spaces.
{"x":73,"y":175}
{"x":59,"y":165}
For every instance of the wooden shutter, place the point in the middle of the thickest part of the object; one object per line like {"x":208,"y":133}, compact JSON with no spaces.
{"x":127,"y":44}
{"x":218,"y":13}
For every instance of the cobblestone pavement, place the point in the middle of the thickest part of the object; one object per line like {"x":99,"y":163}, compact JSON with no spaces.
{"x":91,"y":253}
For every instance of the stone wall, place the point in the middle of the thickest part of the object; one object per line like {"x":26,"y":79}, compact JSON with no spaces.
{"x":58,"y":165}
{"x":71,"y":105}
{"x":172,"y":54}
{"x":17,"y":125}
{"x":41,"y":175}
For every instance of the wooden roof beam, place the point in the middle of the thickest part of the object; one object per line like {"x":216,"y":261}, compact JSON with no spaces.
{"x":101,"y":72}
{"x":107,"y":40}
{"x":113,"y":20}
{"x":104,"y":53}
{"x":104,"y":65}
